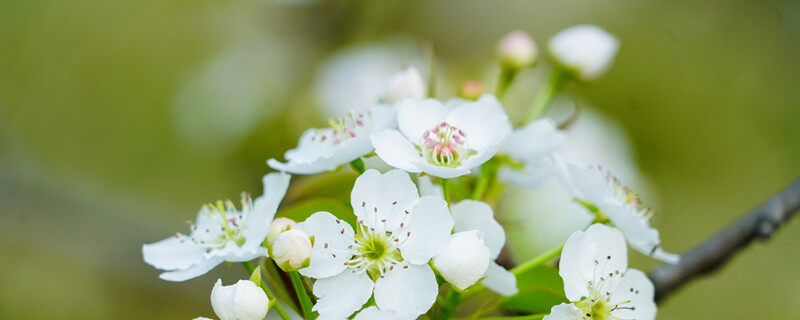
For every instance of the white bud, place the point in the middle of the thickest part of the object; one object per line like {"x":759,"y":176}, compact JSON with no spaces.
{"x":586,"y":50}
{"x":279,"y":225}
{"x":241,"y":301}
{"x":465,"y":259}
{"x":406,"y":84}
{"x":517,"y":50}
{"x":471,"y":90}
{"x":291,"y":250}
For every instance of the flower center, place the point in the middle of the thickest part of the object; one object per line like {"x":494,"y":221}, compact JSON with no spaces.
{"x":444,"y":145}
{"x":223,"y":224}
{"x":627,"y":196}
{"x":598,"y":305}
{"x":344,"y":128}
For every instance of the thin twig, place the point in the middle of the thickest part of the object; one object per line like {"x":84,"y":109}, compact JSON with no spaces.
{"x":758,"y":224}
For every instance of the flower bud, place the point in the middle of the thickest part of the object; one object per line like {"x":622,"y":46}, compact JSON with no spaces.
{"x":291,"y":250}
{"x":241,"y":301}
{"x":471,"y":90}
{"x":279,"y":225}
{"x":586,"y":50}
{"x":465,"y":259}
{"x":406,"y":84}
{"x":517,"y":50}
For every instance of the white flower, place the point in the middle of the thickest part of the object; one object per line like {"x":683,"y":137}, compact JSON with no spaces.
{"x":406,"y":84}
{"x":517,"y":50}
{"x":532,"y":147}
{"x":291,"y":250}
{"x":605,"y":196}
{"x":398,"y":233}
{"x":373,"y":313}
{"x":241,"y":301}
{"x":220,"y":233}
{"x":586,"y":50}
{"x":347,"y":139}
{"x":277,"y":226}
{"x":464,"y":261}
{"x":441,"y":142}
{"x":594,"y":267}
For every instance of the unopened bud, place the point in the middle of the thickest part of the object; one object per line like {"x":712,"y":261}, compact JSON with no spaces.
{"x":291,"y":250}
{"x":406,"y":84}
{"x":241,"y":301}
{"x":279,"y":225}
{"x":517,"y":50}
{"x":586,"y":50}
{"x":465,"y":259}
{"x":471,"y":90}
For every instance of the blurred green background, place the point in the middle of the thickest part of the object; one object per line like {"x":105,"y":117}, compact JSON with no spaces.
{"x":120,"y":118}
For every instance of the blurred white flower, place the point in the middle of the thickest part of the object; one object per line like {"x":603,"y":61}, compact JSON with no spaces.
{"x":441,"y":142}
{"x":220,"y":233}
{"x":464,"y":260}
{"x":532,"y":147}
{"x":398,"y":233}
{"x":291,"y":250}
{"x":594,"y":267}
{"x":373,"y":313}
{"x":277,"y":226}
{"x":586,"y":50}
{"x":603,"y":194}
{"x":355,"y":78}
{"x":517,"y":50}
{"x":241,"y":301}
{"x":406,"y":84}
{"x":347,"y":139}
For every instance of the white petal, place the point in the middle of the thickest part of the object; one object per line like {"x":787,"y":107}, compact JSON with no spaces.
{"x":373,"y":313}
{"x":222,"y":300}
{"x":564,"y":311}
{"x":316,"y":159}
{"x":332,"y":237}
{"x":377,"y":197}
{"x":382,"y":117}
{"x":173,"y":253}
{"x":478,"y":215}
{"x":441,"y":172}
{"x":343,"y":294}
{"x":532,"y":175}
{"x":636,"y":287}
{"x":636,"y":228}
{"x":589,"y":183}
{"x":484,"y":121}
{"x":194,"y":271}
{"x":396,"y":150}
{"x":414,"y":117}
{"x":590,"y":256}
{"x":430,"y":224}
{"x":407,"y":289}
{"x":241,"y":301}
{"x":465,"y":259}
{"x":500,"y":280}
{"x":533,"y":141}
{"x":264,"y":208}
{"x":428,"y":188}
{"x":585,"y":49}
{"x":481,"y":156}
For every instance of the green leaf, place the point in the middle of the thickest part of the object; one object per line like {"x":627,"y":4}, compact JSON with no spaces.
{"x":303,"y":209}
{"x":540,"y":288}
{"x":256,"y":276}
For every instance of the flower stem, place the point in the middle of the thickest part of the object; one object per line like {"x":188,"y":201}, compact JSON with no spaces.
{"x":507,"y":75}
{"x":302,"y":295}
{"x":248,"y":266}
{"x":535,"y":262}
{"x":546,"y":95}
{"x":358,"y":165}
{"x":446,"y":190}
{"x":488,"y":172}
{"x":449,"y":305}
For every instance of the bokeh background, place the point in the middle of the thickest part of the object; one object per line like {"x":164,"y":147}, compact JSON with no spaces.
{"x":118,"y":119}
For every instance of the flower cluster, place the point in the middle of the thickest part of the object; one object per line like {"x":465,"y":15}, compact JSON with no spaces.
{"x":423,"y":233}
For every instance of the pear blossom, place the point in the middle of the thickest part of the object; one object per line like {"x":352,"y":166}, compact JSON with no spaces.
{"x":347,"y":139}
{"x":594,"y":267}
{"x":398,"y":232}
{"x":241,"y":301}
{"x":517,"y":50}
{"x":465,"y":259}
{"x":602,"y":193}
{"x":585,"y":50}
{"x":373,"y":313}
{"x":443,"y":142}
{"x":532,"y":148}
{"x":406,"y":84}
{"x":291,"y":250}
{"x":220,"y":233}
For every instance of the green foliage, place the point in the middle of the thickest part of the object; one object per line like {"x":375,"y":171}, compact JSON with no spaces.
{"x":540,"y":288}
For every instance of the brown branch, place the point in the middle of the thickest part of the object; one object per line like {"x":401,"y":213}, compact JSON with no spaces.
{"x":758,"y":224}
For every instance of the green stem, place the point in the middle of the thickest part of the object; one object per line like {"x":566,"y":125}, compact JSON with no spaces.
{"x":248,"y":266}
{"x":525,"y":317}
{"x":535,"y":262}
{"x":488,"y":172}
{"x":302,"y":295}
{"x":358,"y":165}
{"x":278,"y":283}
{"x":546,"y":95}
{"x":449,"y":305}
{"x":446,"y":190}
{"x":507,"y":75}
